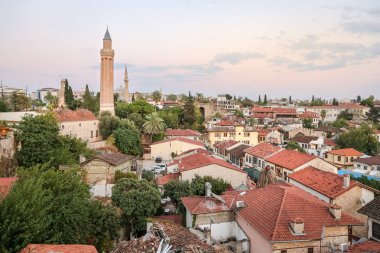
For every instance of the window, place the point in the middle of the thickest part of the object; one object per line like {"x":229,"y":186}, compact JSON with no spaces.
{"x":80,"y":124}
{"x":358,"y":165}
{"x":232,"y":134}
{"x":224,"y":134}
{"x":352,"y":159}
{"x":339,"y":158}
{"x":63,"y":127}
{"x":217,"y":134}
{"x":284,"y":251}
{"x":259,"y":163}
{"x":285,"y":176}
{"x":375,"y":230}
{"x":346,"y":159}
{"x":246,"y":134}
{"x":310,"y":250}
{"x":378,"y":168}
{"x":326,"y":155}
{"x":97,"y":133}
{"x":92,"y":134}
{"x":246,"y":158}
{"x":365,"y":167}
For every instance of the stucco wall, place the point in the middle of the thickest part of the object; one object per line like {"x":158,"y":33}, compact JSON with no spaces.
{"x":319,"y":164}
{"x":81,"y":129}
{"x":98,"y":170}
{"x":165,"y":149}
{"x":235,"y":178}
{"x":257,"y":242}
{"x":296,"y":246}
{"x":252,"y":139}
{"x":351,"y":202}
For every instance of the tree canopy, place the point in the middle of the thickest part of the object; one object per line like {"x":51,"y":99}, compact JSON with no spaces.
{"x":140,"y":106}
{"x":361,"y":139}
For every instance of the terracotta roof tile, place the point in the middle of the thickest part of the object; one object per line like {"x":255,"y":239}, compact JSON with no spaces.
{"x":203,"y":205}
{"x":288,"y":202}
{"x":375,"y":160}
{"x":181,"y":132}
{"x":6,"y":185}
{"x":194,"y":151}
{"x":326,"y":183}
{"x":181,"y":139}
{"x":346,"y":152}
{"x":290,"y":159}
{"x":167,"y":178}
{"x":365,"y":247}
{"x":78,"y":115}
{"x":61,"y":248}
{"x":225,"y":144}
{"x":238,"y":151}
{"x":329,"y":142}
{"x":262,"y":150}
{"x":303,"y":139}
{"x":200,"y":160}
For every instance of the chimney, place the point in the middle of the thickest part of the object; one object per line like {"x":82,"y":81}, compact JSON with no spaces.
{"x":208,"y":187}
{"x":207,"y":234}
{"x":346,"y":180}
{"x":297,"y":226}
{"x":336,"y":211}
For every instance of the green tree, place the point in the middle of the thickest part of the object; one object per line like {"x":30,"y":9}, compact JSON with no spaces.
{"x":335,"y":102}
{"x":199,"y":97}
{"x":38,"y":136}
{"x":171,"y":97}
{"x":323,"y":114}
{"x":345,"y":115}
{"x":89,"y":102}
{"x":259,"y":99}
{"x":228,"y":97}
{"x":107,"y":124}
{"x":198,"y":185}
{"x":137,"y":119}
{"x":339,"y":123}
{"x":140,"y":106}
{"x":19,"y":101}
{"x":153,"y":124}
{"x":69,"y":96}
{"x":3,"y":106}
{"x":52,"y":100}
{"x":156,"y":95}
{"x":292,"y":145}
{"x":361,"y":139}
{"x":238,"y":113}
{"x":307,"y":123}
{"x":265,"y":99}
{"x":119,"y":175}
{"x":171,"y":119}
{"x":290,"y":100}
{"x":312,"y":99}
{"x":138,"y":199}
{"x":189,"y":113}
{"x":148,"y":175}
{"x":373,"y":115}
{"x":177,"y":189}
{"x":370,"y":101}
{"x":358,"y":99}
{"x":128,"y":141}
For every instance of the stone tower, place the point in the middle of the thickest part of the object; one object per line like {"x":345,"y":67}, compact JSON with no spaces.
{"x":106,"y":75}
{"x":61,"y":94}
{"x":126,"y":81}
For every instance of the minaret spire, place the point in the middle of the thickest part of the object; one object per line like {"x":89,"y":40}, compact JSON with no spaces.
{"x":126,"y":82}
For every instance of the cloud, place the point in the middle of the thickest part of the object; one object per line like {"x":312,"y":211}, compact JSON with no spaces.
{"x":374,"y":12}
{"x":308,"y":54}
{"x":362,"y":27}
{"x":236,"y":57}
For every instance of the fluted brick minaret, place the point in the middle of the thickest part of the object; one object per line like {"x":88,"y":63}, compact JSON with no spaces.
{"x":106,"y":75}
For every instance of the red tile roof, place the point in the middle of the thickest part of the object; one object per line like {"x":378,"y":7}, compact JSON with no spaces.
{"x":228,"y":123}
{"x":63,"y":248}
{"x":329,"y":142}
{"x":200,"y":160}
{"x":181,"y":132}
{"x":225,"y":144}
{"x":65,"y":115}
{"x":262,"y":150}
{"x":365,"y":247}
{"x":346,"y":152}
{"x":326,"y":183}
{"x":374,"y":160}
{"x":308,"y":115}
{"x":269,"y":210}
{"x":203,"y":205}
{"x":262,"y":110}
{"x":167,"y":178}
{"x":6,"y":185}
{"x":290,"y":159}
{"x":195,"y":151}
{"x":260,"y":116}
{"x":285,"y":110}
{"x":182,"y":139}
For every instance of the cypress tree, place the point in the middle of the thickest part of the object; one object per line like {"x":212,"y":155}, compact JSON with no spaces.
{"x":265,"y":99}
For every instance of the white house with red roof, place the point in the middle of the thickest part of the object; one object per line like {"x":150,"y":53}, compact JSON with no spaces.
{"x":255,"y":156}
{"x":286,"y":162}
{"x":81,"y":123}
{"x":343,"y":158}
{"x":284,"y":218}
{"x":169,"y":148}
{"x":185,"y":133}
{"x":335,"y":189}
{"x":206,"y":165}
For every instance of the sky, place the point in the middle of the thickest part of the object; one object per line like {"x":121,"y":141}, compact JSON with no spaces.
{"x":241,"y":47}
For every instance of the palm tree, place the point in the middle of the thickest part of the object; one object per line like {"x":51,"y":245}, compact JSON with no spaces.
{"x":153,"y":125}
{"x":323,"y":114}
{"x":267,"y":176}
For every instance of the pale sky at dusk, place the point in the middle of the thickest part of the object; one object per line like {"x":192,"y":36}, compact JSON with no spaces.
{"x":245,"y":48}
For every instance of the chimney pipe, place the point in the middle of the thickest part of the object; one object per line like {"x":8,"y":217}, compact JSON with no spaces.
{"x":336,"y":211}
{"x":346,"y":180}
{"x":208,"y":187}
